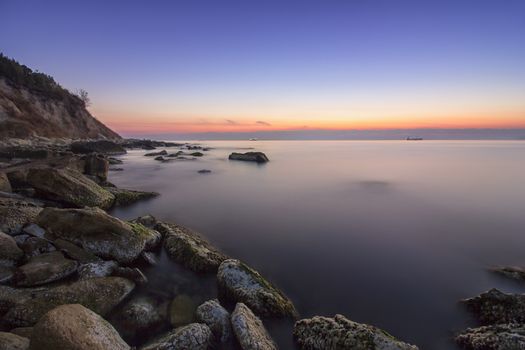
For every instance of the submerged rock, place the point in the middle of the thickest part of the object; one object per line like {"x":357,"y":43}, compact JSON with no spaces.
{"x":496,"y":337}
{"x":204,"y":171}
{"x":68,"y":186}
{"x":249,"y":330}
{"x":11,"y":341}
{"x":154,"y":154}
{"x":189,"y":249}
{"x":73,"y":327}
{"x":258,"y":157}
{"x":138,"y":317}
{"x":100,"y":295}
{"x":322,"y":333}
{"x":240,"y":283}
{"x":44,"y":268}
{"x":195,"y":336}
{"x":125,"y":197}
{"x":10,"y":254}
{"x":514,"y":272}
{"x":99,"y":233}
{"x":495,"y":306}
{"x":217,"y":318}
{"x":182,"y":310}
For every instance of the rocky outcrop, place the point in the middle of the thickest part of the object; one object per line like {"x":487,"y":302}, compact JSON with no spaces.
{"x":323,"y":333}
{"x":217,"y":318}
{"x":189,"y":249}
{"x":10,"y":341}
{"x":257,"y":157}
{"x":99,"y":233}
{"x":68,"y":186}
{"x":100,"y":295}
{"x":125,"y":197}
{"x":195,"y":336}
{"x":495,"y":306}
{"x":240,"y":283}
{"x":97,"y":146}
{"x":10,"y":254}
{"x":249,"y":330}
{"x":73,"y":327}
{"x":496,"y":337}
{"x":44,"y":268}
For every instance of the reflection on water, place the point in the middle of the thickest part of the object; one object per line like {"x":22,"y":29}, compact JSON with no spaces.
{"x":389,"y":233}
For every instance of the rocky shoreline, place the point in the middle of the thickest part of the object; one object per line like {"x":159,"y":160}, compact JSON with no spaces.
{"x":69,"y":271}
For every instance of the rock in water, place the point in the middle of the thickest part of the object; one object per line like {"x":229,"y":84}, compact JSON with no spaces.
{"x":495,"y":306}
{"x":154,"y":154}
{"x":43,"y":269}
{"x":73,"y":327}
{"x":217,"y":318}
{"x":68,"y":186}
{"x":182,"y":310}
{"x":10,"y":254}
{"x":497,"y":337}
{"x":189,"y":249}
{"x":514,"y":272}
{"x":138,"y":317}
{"x":240,"y":283}
{"x":99,"y":146}
{"x":100,"y":295}
{"x":125,"y":197}
{"x":195,"y":336}
{"x":10,"y":341}
{"x":249,"y":330}
{"x":338,"y":333}
{"x":258,"y":157}
{"x":96,"y":165}
{"x":99,"y":233}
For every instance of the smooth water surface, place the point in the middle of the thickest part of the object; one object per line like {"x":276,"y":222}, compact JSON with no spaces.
{"x":391,"y":233}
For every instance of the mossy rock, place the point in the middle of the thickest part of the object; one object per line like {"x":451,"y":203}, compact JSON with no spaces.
{"x":126,"y":197}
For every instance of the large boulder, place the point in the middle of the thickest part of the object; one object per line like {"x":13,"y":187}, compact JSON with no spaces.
{"x":99,"y":233}
{"x":100,"y":295}
{"x":10,"y":341}
{"x":44,"y":268}
{"x":5,"y":185}
{"x":240,"y":283}
{"x":189,"y":249}
{"x":217,"y":318}
{"x":195,"y":336}
{"x":249,"y":330}
{"x":323,"y":333}
{"x":100,"y":146}
{"x":10,"y":254}
{"x":257,"y":157}
{"x":73,"y":327}
{"x":68,"y":186}
{"x":496,"y":337}
{"x":125,"y":197}
{"x":96,"y":165}
{"x":495,"y":306}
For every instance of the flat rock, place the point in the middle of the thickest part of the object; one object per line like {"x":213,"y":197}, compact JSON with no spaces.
{"x":34,"y":230}
{"x":240,"y":283}
{"x":126,"y":197}
{"x":195,"y":336}
{"x":75,"y":252}
{"x":98,"y":233}
{"x":11,"y":341}
{"x":495,"y":306}
{"x":182,"y":310}
{"x":496,"y":337}
{"x":217,"y":318}
{"x":68,"y":186}
{"x":249,"y":330}
{"x":100,"y":295}
{"x":44,"y":268}
{"x":320,"y":333}
{"x":257,"y":157}
{"x":73,"y":327}
{"x":189,"y":249}
{"x":10,"y":254}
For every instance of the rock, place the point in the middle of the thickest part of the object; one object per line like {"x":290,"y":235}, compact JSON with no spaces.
{"x":240,"y":283}
{"x":149,"y":258}
{"x":6,"y":274}
{"x":249,"y":330}
{"x":160,"y":158}
{"x":44,"y":268}
{"x":204,"y":171}
{"x":98,"y":233}
{"x":116,"y":169}
{"x":10,"y":254}
{"x":25,"y":332}
{"x":195,"y":336}
{"x":15,"y":213}
{"x":34,"y":246}
{"x":70,"y":187}
{"x":75,"y":252}
{"x":97,"y":269}
{"x":100,"y":295}
{"x":189,"y":249}
{"x":96,"y":165}
{"x":20,"y":239}
{"x":495,"y":306}
{"x":496,"y":337}
{"x":125,"y":197}
{"x":100,"y":146}
{"x":133,"y":274}
{"x":114,"y":161}
{"x":182,"y":310}
{"x":319,"y":333}
{"x":10,"y":341}
{"x":34,"y":230}
{"x":258,"y":157}
{"x":154,"y":154}
{"x":138,"y":317}
{"x":513,"y":272}
{"x":196,"y":154}
{"x":217,"y":318}
{"x":5,"y":185}
{"x":147,"y":220}
{"x":73,"y":327}
{"x":176,"y":154}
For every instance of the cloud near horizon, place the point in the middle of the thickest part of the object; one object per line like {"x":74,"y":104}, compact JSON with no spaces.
{"x":260,"y":122}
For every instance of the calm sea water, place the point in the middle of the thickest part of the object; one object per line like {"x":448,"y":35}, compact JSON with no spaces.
{"x":390,"y":233}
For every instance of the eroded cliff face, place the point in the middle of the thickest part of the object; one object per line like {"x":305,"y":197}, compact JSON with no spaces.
{"x":26,"y":113}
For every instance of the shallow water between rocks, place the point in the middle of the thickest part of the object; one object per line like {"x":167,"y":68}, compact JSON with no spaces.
{"x":390,"y":233}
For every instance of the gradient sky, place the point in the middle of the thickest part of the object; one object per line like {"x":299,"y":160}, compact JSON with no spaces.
{"x":194,"y":66}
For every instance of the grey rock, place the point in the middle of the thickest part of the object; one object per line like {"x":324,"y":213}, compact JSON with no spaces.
{"x":496,"y":337}
{"x":10,"y":254}
{"x":513,"y":272}
{"x":96,"y":269}
{"x":149,"y":258}
{"x":160,"y":158}
{"x":6,"y":274}
{"x":195,"y":336}
{"x":249,"y":330}
{"x":139,"y":316}
{"x":96,"y":165}
{"x":154,"y":154}
{"x":20,"y":239}
{"x":204,"y":171}
{"x":75,"y":252}
{"x":131,"y":273}
{"x":34,"y":230}
{"x":257,"y":157}
{"x":126,"y":197}
{"x":10,"y":341}
{"x":495,"y":306}
{"x":114,"y":161}
{"x":44,"y":268}
{"x":217,"y":318}
{"x":15,"y":213}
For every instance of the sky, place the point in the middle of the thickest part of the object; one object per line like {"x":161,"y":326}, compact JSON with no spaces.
{"x":158,"y":67}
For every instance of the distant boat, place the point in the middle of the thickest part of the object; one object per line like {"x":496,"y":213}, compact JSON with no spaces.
{"x":414,"y":138}
{"x":253,"y":139}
